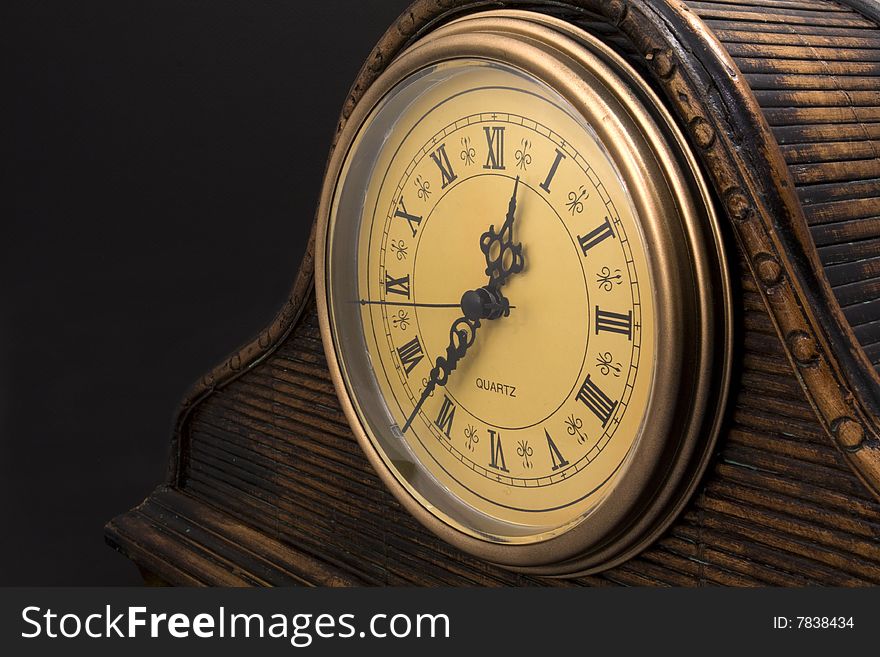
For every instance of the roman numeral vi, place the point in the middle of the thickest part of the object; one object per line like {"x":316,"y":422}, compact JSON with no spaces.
{"x":496,"y":452}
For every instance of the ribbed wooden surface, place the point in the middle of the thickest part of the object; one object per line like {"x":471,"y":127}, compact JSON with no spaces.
{"x":814,"y":67}
{"x":273,"y":450}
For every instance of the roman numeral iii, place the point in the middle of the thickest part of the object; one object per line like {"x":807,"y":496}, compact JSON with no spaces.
{"x":495,"y":141}
{"x":596,"y":236}
{"x":444,"y":418}
{"x":614,"y":322}
{"x":410,"y":354}
{"x":441,"y":159}
{"x":597,"y":401}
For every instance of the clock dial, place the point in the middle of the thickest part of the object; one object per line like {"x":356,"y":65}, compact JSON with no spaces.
{"x":539,"y":412}
{"x":510,"y":281}
{"x":546,"y":403}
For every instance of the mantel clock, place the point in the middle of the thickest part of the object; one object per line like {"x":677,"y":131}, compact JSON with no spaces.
{"x":592,"y":293}
{"x":522,"y":293}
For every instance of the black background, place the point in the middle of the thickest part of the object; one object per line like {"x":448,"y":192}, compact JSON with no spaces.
{"x":162,"y":161}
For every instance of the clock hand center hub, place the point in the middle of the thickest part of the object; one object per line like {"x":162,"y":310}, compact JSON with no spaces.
{"x":484,"y":303}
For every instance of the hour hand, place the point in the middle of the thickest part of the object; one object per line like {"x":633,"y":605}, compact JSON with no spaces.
{"x":476,"y":305}
{"x":503,"y":256}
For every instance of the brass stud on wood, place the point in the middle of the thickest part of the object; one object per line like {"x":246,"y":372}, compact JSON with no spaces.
{"x":849,"y":433}
{"x":738,"y":205}
{"x":704,"y":135}
{"x":803,"y":348}
{"x":617,"y":11}
{"x":663,"y":63}
{"x":768,"y":270}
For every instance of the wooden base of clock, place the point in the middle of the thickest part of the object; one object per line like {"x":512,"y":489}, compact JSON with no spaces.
{"x":268,"y":486}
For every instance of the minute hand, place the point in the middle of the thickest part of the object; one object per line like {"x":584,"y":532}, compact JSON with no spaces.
{"x":476,"y":305}
{"x":461,"y":337}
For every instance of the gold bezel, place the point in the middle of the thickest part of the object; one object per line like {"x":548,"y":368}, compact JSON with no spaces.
{"x":688,"y":271}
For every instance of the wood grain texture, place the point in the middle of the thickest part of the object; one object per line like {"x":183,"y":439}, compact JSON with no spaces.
{"x":273,"y":451}
{"x":829,"y":129}
{"x":268,"y":485}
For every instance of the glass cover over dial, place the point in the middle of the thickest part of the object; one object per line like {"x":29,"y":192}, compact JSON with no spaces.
{"x":490,"y":298}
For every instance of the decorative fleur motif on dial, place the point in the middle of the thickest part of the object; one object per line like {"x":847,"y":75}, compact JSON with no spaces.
{"x":523,"y":158}
{"x":399,"y":248}
{"x":425,"y":385}
{"x":401,"y":320}
{"x":471,"y":437}
{"x":608,"y":280}
{"x":468,"y":152}
{"x":576,"y":199}
{"x":573,"y":427}
{"x":606,"y":364}
{"x":525,"y":451}
{"x":424,"y":188}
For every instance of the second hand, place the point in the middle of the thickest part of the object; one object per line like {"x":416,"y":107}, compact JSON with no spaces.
{"x":409,"y":304}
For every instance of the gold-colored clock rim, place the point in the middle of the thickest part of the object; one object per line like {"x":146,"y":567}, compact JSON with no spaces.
{"x":689,"y":272}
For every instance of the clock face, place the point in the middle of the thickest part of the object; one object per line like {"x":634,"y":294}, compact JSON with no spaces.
{"x":498,"y":304}
{"x":543,"y":408}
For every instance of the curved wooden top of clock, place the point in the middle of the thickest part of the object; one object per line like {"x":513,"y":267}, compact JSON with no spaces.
{"x":672,"y":44}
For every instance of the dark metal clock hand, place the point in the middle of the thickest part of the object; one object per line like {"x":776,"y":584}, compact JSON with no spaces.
{"x":461,"y":336}
{"x":503,"y":257}
{"x":476,"y":305}
{"x":408,"y":304}
{"x":412,"y":304}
